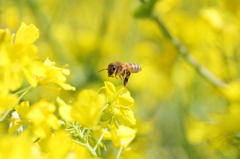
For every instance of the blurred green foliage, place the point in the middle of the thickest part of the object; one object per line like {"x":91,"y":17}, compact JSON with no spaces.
{"x":169,"y":93}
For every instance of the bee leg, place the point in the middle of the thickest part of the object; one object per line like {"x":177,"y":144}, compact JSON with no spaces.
{"x":120,"y":77}
{"x":124,"y":73}
{"x":115,"y":72}
{"x":126,"y":78}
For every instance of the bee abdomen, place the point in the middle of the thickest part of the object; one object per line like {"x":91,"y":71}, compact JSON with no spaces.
{"x":134,"y":67}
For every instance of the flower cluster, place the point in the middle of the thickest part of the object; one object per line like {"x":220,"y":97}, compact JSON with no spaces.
{"x":100,"y":116}
{"x":19,"y":59}
{"x":44,"y":130}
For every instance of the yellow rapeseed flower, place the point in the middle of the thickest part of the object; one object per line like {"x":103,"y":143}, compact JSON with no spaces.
{"x":122,"y":136}
{"x":126,"y":117}
{"x":22,"y":109}
{"x":119,"y":101}
{"x":64,"y":110}
{"x":117,"y":95}
{"x":17,"y":56}
{"x":15,"y":123}
{"x":18,"y":59}
{"x":86,"y":110}
{"x":52,"y":74}
{"x":41,"y":115}
{"x":26,"y":34}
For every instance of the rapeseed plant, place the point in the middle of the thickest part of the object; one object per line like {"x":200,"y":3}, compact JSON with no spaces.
{"x":44,"y":130}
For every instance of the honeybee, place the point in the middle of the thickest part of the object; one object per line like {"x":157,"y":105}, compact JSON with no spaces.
{"x":122,"y":70}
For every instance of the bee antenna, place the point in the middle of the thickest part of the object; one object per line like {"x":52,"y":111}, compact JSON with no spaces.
{"x":102,"y":70}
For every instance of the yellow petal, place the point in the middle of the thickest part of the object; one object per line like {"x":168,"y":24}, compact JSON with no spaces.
{"x":22,"y":108}
{"x":48,"y":63}
{"x":125,"y":100}
{"x":38,"y":69}
{"x":29,"y":76}
{"x":53,"y":88}
{"x":27,"y":34}
{"x":64,"y":110}
{"x":125,"y":91}
{"x":66,"y":86}
{"x":52,"y":121}
{"x":126,"y":117}
{"x":14,"y":128}
{"x":123,"y":136}
{"x":60,"y":102}
{"x":107,"y":135}
{"x":43,"y":119}
{"x":115,"y":96}
{"x":66,"y":72}
{"x":110,"y":88}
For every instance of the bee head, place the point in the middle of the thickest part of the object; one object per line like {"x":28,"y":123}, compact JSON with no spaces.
{"x":111,"y":69}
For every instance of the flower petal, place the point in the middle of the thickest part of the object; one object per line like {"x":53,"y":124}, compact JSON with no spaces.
{"x":22,"y":108}
{"x":126,"y":117}
{"x":64,"y":110}
{"x":110,"y":88}
{"x":27,"y":34}
{"x":125,"y":100}
{"x":123,"y":136}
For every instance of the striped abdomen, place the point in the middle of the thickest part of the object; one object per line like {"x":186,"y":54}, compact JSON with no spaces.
{"x":133,"y":67}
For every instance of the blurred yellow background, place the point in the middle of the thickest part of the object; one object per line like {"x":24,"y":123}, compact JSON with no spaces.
{"x":169,"y":93}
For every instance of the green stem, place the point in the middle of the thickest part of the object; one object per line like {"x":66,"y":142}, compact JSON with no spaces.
{"x":88,"y":132}
{"x":204,"y":72}
{"x":119,"y":152}
{"x":23,"y":90}
{"x":19,"y":98}
{"x":103,"y":108}
{"x":100,"y":139}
